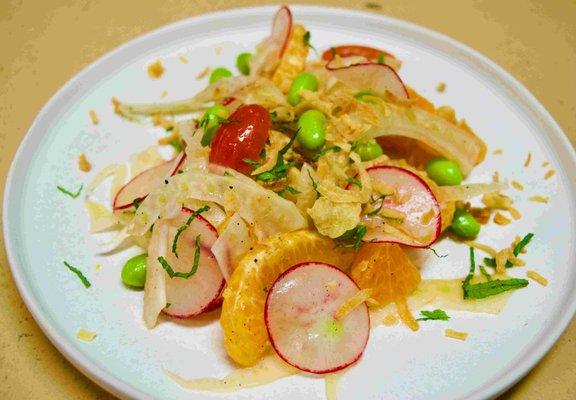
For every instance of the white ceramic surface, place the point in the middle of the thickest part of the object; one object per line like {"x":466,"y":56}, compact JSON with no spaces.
{"x":42,"y":227}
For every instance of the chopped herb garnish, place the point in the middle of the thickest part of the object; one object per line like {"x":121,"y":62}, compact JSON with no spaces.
{"x":227,"y":173}
{"x":252,"y":163}
{"x":185,"y":226}
{"x":490,"y":288}
{"x":354,"y":181}
{"x":169,"y":128}
{"x":136,"y":203}
{"x":168,"y":305}
{"x":436,"y":315}
{"x":274,"y":115}
{"x":381,"y":59}
{"x":183,"y":275}
{"x":353,"y":237}
{"x":334,"y":149}
{"x":433,"y":250}
{"x":278,"y":171}
{"x":491,"y":262}
{"x":288,"y":189}
{"x":493,"y":287}
{"x":484,"y":272}
{"x":79,"y":274}
{"x":306,"y":39}
{"x":314,"y":184}
{"x":69,"y":193}
{"x":362,"y":97}
{"x":176,"y":145}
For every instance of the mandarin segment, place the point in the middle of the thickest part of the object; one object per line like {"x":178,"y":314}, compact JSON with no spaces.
{"x":385,"y":268}
{"x":242,"y":318}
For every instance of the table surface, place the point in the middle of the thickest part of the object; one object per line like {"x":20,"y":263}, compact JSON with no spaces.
{"x":45,"y":43}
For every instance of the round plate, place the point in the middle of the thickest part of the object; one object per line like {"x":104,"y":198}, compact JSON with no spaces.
{"x":43,"y":227}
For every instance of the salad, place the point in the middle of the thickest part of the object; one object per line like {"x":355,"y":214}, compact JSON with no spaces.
{"x":301,"y":201}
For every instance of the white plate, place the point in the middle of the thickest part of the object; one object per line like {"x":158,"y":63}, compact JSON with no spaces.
{"x":42,"y":227}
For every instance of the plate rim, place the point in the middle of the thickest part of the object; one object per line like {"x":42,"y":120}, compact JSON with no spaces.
{"x":122,"y":389}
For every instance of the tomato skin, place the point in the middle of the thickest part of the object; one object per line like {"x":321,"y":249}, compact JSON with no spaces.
{"x":244,"y":136}
{"x":354,"y":50}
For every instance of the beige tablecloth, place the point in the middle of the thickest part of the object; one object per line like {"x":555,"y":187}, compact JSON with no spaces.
{"x":44,"y":43}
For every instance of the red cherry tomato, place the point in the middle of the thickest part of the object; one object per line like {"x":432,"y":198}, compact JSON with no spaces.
{"x":352,"y":50}
{"x":244,"y":136}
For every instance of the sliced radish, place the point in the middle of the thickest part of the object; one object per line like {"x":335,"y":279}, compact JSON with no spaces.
{"x":300,"y":318}
{"x":202,"y":291}
{"x":142,"y":184}
{"x":281,"y":29}
{"x":421,"y":223}
{"x":370,"y":77}
{"x":272,"y":49}
{"x":369,"y":53}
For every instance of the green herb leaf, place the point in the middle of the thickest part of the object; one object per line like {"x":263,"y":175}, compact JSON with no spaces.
{"x":314,"y":184}
{"x":79,"y":274}
{"x":136,"y":203}
{"x":353,"y":237}
{"x":334,"y":149}
{"x":493,"y":287}
{"x":306,"y":40}
{"x":182,"y":228}
{"x":279,"y":171}
{"x":436,"y":315}
{"x":69,"y":193}
{"x":436,"y":253}
{"x":288,"y":189}
{"x":183,"y":275}
{"x":168,"y":305}
{"x":381,"y":59}
{"x":176,"y":145}
{"x":490,"y":288}
{"x":484,"y":272}
{"x":252,"y":163}
{"x":491,"y":262}
{"x":354,"y":181}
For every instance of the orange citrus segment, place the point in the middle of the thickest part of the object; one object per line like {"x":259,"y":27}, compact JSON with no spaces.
{"x":242,"y":318}
{"x":385,"y":268}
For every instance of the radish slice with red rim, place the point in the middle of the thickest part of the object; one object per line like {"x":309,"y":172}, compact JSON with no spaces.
{"x":281,"y":29}
{"x":273,"y":47}
{"x":300,"y":318}
{"x":201,"y":292}
{"x":370,"y":77}
{"x":421,"y":223}
{"x":142,"y":184}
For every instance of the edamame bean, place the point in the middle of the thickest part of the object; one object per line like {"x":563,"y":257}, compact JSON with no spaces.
{"x":304,"y":81}
{"x":243,"y":63}
{"x":211,"y":121}
{"x":369,"y":150}
{"x":134,"y":271}
{"x":464,"y":224}
{"x":312,"y":130}
{"x":444,"y":172}
{"x":218,"y":74}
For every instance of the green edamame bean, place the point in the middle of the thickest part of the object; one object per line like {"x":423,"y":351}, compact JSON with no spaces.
{"x":369,"y":150}
{"x":211,"y":120}
{"x":218,"y":74}
{"x":312,"y":130}
{"x":134,"y":271}
{"x":243,"y":63}
{"x":464,"y":224}
{"x":304,"y":81}
{"x":444,"y":172}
